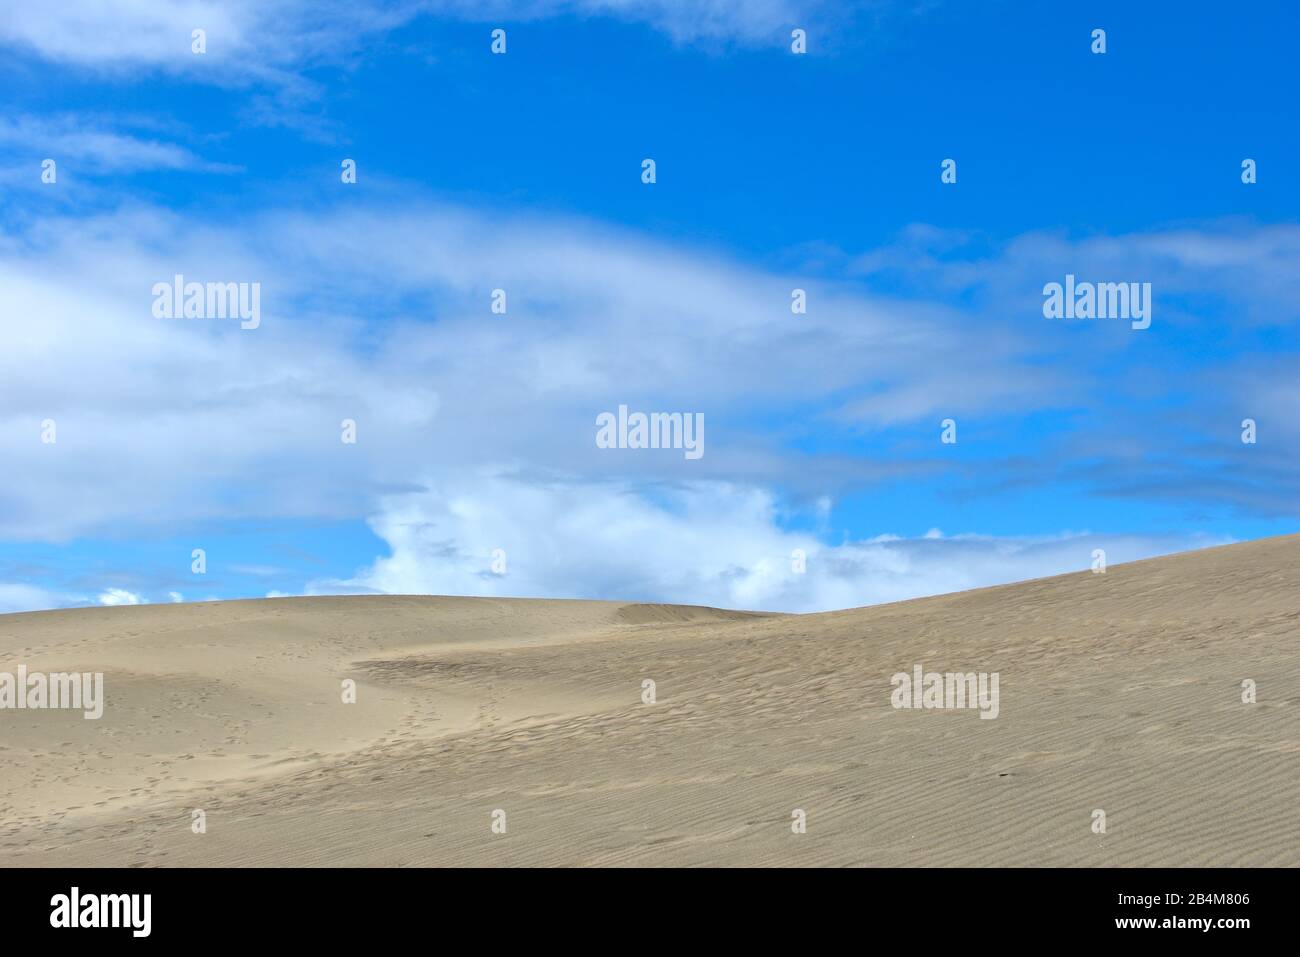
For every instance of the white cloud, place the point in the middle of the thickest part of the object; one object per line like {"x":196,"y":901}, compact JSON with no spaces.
{"x":706,"y":543}
{"x":119,"y":596}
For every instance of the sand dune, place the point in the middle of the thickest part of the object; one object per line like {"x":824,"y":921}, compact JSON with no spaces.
{"x":1119,"y":691}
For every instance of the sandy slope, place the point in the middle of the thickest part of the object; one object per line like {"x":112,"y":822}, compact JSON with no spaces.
{"x":1118,"y":691}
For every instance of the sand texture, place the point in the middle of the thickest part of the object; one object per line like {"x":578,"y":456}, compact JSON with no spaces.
{"x":1119,"y":691}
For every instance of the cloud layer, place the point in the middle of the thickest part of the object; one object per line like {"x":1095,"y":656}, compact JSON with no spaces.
{"x":476,"y":430}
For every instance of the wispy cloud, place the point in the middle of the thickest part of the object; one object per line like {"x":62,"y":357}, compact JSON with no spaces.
{"x":82,"y":145}
{"x":262,"y":39}
{"x":16,"y":597}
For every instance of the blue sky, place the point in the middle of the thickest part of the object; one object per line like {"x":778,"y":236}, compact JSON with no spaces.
{"x":521,"y":171}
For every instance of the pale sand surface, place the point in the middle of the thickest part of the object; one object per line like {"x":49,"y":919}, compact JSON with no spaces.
{"x":1119,"y":691}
